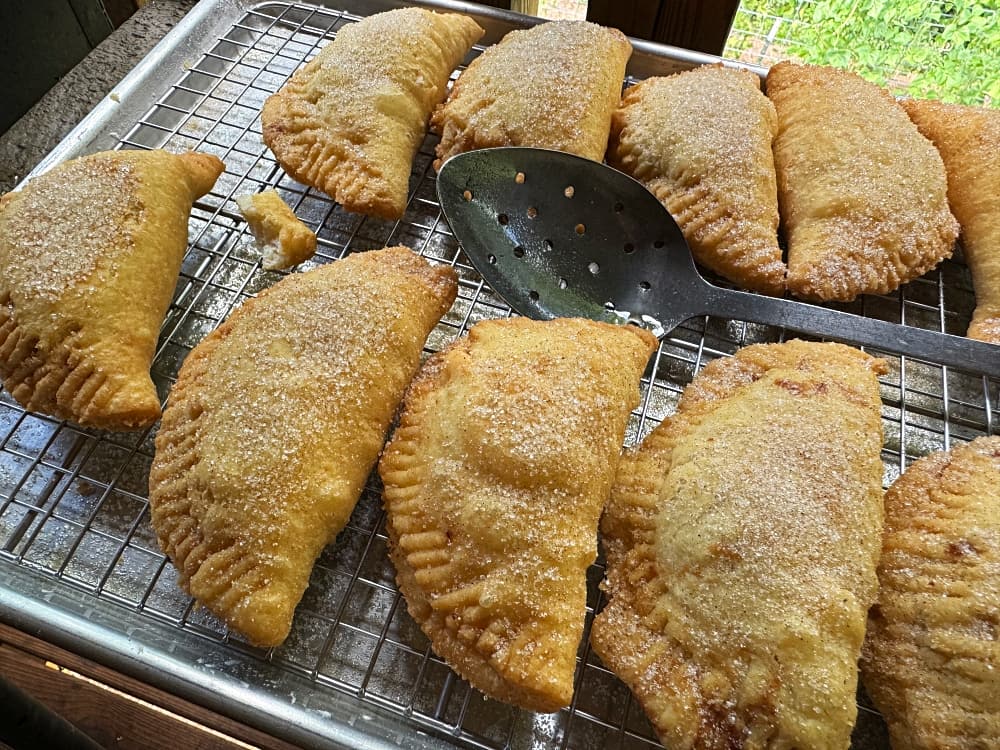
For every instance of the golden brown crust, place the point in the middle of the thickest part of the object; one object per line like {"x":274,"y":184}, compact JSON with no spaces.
{"x":701,"y":142}
{"x":350,"y":122}
{"x":741,"y":541}
{"x":274,"y":424}
{"x":551,"y":86}
{"x":931,"y":661}
{"x":89,"y":255}
{"x":968,"y":139}
{"x":284,"y":240}
{"x":494,"y":482}
{"x":863,"y":196}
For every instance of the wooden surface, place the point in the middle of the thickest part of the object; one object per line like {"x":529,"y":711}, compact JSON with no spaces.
{"x":115,"y":710}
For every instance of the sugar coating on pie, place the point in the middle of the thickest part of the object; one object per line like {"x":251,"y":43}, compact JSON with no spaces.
{"x":968,"y":139}
{"x":283,"y":239}
{"x":862,"y":194}
{"x":551,"y":86}
{"x":741,"y":542}
{"x":931,"y":661}
{"x":701,"y":142}
{"x":351,"y":121}
{"x":89,"y":257}
{"x":275,"y":423}
{"x":494,"y":483}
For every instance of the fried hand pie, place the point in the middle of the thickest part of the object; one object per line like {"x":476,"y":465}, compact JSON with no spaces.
{"x":968,"y":139}
{"x":701,"y":142}
{"x":931,"y":661}
{"x":351,"y":121}
{"x":741,"y":541}
{"x":553,"y":86}
{"x":274,"y":424}
{"x":89,"y":257}
{"x":862,"y":195}
{"x":494,"y":483}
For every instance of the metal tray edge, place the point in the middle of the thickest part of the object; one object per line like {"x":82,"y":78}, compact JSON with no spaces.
{"x":329,"y":726}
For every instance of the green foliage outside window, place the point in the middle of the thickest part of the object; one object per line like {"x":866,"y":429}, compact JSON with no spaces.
{"x":927,"y":49}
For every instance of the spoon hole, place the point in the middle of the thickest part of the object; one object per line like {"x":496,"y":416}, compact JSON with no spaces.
{"x":594,"y":268}
{"x":619,"y":207}
{"x":518,"y":252}
{"x":570,"y":191}
{"x":533,"y":295}
{"x":492,"y":259}
{"x":658,"y":244}
{"x":548,"y":244}
{"x":580,"y":229}
{"x":629,"y":248}
{"x":467,"y":195}
{"x":532,"y":212}
{"x":519,"y":178}
{"x":563,"y":283}
{"x":502,"y":218}
{"x":645,"y":286}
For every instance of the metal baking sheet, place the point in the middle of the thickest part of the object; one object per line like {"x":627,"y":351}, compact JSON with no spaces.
{"x":79,"y":564}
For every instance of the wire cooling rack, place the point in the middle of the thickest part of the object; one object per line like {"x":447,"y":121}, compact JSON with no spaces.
{"x":73,"y":502}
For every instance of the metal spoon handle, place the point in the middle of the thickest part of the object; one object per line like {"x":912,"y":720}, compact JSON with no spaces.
{"x":918,"y":343}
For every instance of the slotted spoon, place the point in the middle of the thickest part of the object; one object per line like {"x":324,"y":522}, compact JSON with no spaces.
{"x":557,"y":235}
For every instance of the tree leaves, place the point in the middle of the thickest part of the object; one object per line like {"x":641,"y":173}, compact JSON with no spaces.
{"x":945,"y":50}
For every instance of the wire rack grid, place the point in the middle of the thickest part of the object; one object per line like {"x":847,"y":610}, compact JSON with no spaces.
{"x":73,"y":502}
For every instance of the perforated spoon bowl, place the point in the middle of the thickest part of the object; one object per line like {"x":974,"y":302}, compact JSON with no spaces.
{"x":557,"y":235}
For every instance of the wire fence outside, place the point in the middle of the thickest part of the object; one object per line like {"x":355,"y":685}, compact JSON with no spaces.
{"x":939,"y":49}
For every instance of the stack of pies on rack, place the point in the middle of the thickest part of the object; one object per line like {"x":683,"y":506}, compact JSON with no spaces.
{"x":742,"y":536}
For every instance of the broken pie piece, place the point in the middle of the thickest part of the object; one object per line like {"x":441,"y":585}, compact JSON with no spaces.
{"x":554,"y":86}
{"x":283,"y":239}
{"x":741,"y":542}
{"x":701,"y":142}
{"x":494,"y":483}
{"x":351,"y":121}
{"x":968,"y":139}
{"x":89,"y":256}
{"x":274,"y":424}
{"x":931,"y":661}
{"x":862,"y":194}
